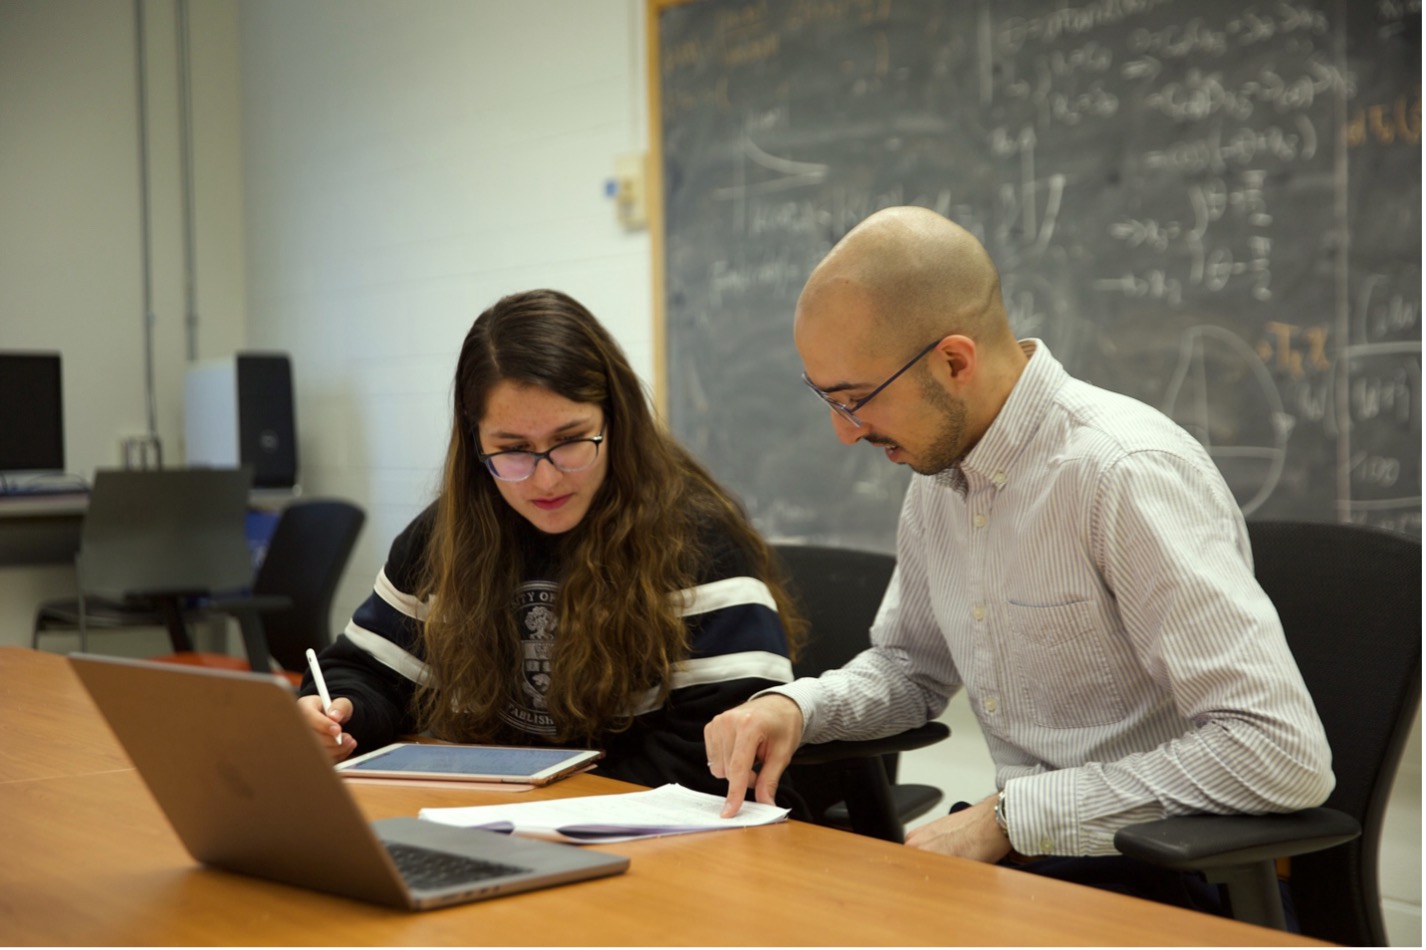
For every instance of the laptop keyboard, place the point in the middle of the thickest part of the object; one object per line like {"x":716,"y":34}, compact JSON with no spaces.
{"x":425,"y":869}
{"x":41,"y":489}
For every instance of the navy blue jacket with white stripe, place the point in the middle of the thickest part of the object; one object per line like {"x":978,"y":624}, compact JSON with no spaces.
{"x":737,"y":647}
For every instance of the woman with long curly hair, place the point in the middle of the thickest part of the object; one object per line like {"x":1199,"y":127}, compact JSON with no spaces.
{"x":580,"y":580}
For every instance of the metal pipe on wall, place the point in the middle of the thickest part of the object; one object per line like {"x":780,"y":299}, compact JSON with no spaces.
{"x":185,"y":138}
{"x":137,"y":454}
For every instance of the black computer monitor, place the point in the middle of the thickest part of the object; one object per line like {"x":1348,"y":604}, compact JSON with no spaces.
{"x":31,"y":413}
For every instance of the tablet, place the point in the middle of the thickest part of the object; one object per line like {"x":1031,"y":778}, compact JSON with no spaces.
{"x":521,"y":765}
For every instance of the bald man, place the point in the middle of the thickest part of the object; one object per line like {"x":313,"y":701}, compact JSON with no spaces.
{"x":1068,"y":556}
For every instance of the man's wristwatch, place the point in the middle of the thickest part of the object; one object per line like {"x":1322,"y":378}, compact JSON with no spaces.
{"x":1000,"y":813}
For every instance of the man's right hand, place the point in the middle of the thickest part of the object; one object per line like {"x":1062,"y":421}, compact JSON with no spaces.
{"x":328,"y":724}
{"x":767,"y":730}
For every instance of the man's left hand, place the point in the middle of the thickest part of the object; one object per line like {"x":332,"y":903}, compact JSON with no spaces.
{"x":969,"y":833}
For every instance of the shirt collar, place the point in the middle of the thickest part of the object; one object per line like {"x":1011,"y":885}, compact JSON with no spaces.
{"x":1012,"y":428}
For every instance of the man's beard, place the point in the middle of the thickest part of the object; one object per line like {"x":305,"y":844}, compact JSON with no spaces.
{"x":947,"y":446}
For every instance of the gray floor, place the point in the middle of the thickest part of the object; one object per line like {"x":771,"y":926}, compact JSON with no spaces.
{"x":961,"y":768}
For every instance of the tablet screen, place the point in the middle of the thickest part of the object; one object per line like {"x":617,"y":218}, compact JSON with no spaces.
{"x":498,"y":763}
{"x":464,"y":760}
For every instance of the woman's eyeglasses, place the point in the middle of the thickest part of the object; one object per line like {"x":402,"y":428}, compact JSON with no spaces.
{"x":576,"y":455}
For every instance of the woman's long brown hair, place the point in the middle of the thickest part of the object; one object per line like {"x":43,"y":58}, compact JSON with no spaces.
{"x":636,"y":546}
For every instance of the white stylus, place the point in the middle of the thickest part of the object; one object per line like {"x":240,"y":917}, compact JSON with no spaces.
{"x":321,"y":685}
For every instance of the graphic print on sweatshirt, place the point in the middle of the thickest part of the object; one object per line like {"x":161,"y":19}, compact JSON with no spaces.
{"x":536,"y":620}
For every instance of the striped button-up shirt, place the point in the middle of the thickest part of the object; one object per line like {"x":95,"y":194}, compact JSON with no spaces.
{"x":1085,"y":575}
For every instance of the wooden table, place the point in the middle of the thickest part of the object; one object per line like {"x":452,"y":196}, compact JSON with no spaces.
{"x":87,"y":858}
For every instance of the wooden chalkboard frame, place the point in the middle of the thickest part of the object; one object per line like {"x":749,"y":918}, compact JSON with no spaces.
{"x":654,"y":198}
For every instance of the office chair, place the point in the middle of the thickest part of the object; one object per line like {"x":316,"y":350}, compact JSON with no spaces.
{"x":850,"y":784}
{"x":1350,"y":601}
{"x":295,"y":586}
{"x":151,"y":541}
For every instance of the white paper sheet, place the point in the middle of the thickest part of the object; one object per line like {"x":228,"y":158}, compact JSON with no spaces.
{"x":600,"y":819}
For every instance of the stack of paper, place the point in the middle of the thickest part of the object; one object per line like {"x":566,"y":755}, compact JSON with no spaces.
{"x":599,"y":819}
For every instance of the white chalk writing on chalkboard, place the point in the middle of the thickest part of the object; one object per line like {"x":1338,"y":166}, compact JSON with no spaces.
{"x":1211,"y":206}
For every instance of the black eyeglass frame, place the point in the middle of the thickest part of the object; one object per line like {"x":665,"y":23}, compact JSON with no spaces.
{"x":547,"y":455}
{"x":849,"y":412}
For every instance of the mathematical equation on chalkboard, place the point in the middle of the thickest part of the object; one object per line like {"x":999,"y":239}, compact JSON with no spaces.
{"x":1211,"y":206}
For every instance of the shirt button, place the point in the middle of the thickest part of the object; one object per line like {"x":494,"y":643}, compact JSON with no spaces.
{"x":978,"y":612}
{"x":980,"y":521}
{"x":998,"y":478}
{"x":1047,"y":845}
{"x":991,"y":704}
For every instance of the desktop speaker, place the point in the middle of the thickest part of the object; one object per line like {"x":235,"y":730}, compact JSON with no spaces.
{"x":238,"y":411}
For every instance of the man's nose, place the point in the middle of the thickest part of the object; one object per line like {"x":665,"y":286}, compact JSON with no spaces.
{"x":847,"y":430}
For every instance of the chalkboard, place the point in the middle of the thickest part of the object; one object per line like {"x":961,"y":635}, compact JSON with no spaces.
{"x":1209,"y":205}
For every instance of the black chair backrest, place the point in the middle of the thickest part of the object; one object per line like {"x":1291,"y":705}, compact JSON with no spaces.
{"x":165,"y":531}
{"x":305,"y":559}
{"x":839,"y":591}
{"x":1350,"y":601}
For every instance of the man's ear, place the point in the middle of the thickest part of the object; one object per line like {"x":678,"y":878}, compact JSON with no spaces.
{"x":958,"y":355}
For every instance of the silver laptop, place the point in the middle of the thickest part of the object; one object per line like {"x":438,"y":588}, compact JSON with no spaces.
{"x":248,"y":789}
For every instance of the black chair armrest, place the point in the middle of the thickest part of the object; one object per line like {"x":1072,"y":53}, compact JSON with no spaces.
{"x":838,"y":749}
{"x":1205,"y":842}
{"x":248,"y":610}
{"x":258,"y":602}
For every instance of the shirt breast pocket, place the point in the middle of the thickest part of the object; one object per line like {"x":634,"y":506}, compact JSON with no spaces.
{"x":1066,"y":677}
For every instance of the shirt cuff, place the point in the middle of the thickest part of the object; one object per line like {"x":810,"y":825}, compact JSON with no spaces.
{"x":805,"y":692}
{"x":1042,"y":815}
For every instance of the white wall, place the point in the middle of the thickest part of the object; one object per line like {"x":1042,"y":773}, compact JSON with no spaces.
{"x":71,"y":262}
{"x":369,"y":176}
{"x":409,"y":163}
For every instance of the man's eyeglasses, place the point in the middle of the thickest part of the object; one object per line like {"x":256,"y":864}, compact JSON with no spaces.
{"x":849,"y":412}
{"x":573,"y":456}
